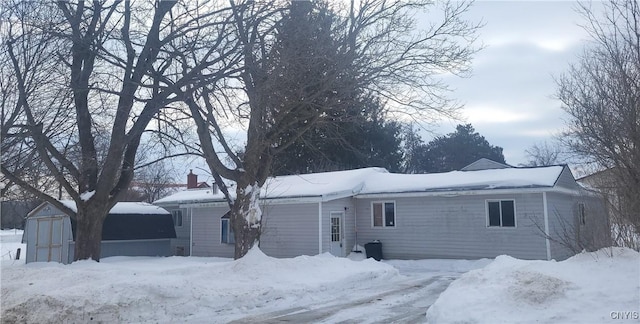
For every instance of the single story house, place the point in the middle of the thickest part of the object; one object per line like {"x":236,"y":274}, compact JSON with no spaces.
{"x":130,"y":229}
{"x":484,"y":210}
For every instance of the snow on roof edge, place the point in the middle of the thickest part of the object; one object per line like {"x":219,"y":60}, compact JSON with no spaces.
{"x":384,"y":182}
{"x":125,"y":207}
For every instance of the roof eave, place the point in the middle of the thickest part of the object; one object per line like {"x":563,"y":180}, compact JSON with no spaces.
{"x":468,"y":192}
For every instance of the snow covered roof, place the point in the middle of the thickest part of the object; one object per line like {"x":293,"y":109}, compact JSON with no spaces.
{"x":339,"y":184}
{"x":125,"y":208}
{"x":464,"y":180}
{"x":329,"y":185}
{"x":192,"y":195}
{"x":325,"y":185}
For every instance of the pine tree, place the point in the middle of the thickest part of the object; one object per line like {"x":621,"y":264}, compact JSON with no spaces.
{"x":453,"y":151}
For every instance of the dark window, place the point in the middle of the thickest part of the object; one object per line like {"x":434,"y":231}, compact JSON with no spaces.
{"x":501,"y":213}
{"x":226,"y":232}
{"x":582,"y":214}
{"x":177,"y":217}
{"x":384,"y":214}
{"x":494,"y":213}
{"x":508,"y":213}
{"x":389,"y":214}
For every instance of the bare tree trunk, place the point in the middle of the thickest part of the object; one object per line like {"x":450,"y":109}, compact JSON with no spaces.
{"x":89,"y":220}
{"x":246,"y":219}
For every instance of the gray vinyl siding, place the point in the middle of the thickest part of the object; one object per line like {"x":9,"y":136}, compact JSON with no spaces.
{"x":183,"y":233}
{"x":290,"y":230}
{"x":455,"y":227}
{"x":562,"y":224}
{"x":206,"y":240}
{"x":484,"y":164}
{"x":568,"y":235}
{"x":346,"y":206}
{"x":566,"y":180}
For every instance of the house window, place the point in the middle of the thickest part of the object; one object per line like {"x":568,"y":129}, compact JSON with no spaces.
{"x":177,"y":217}
{"x":501,"y":213}
{"x":582,"y":218}
{"x":383,"y":214}
{"x":226,"y":231}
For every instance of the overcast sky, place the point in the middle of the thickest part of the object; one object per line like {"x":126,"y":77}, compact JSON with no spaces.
{"x":509,"y":97}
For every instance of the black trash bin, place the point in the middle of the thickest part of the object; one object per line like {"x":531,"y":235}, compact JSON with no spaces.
{"x":374,"y":250}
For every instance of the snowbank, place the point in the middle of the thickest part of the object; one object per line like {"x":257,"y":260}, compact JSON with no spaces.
{"x":176,"y":289}
{"x":10,"y":242}
{"x":587,"y":288}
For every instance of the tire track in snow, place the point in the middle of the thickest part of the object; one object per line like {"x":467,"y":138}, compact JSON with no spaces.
{"x":407,"y":302}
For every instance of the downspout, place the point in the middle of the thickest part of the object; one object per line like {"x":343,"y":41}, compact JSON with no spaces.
{"x":320,"y":227}
{"x":546,"y":224}
{"x":355,"y":221}
{"x":190,"y":231}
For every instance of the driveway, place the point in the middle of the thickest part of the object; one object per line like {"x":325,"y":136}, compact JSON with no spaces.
{"x":404,"y":301}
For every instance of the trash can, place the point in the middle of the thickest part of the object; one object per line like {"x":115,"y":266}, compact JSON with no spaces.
{"x":374,"y":250}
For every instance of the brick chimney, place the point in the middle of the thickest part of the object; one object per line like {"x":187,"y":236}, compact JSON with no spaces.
{"x":192,"y":180}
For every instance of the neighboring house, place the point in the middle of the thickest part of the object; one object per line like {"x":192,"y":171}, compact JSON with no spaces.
{"x":130,"y":229}
{"x":488,"y":210}
{"x":604,"y":182}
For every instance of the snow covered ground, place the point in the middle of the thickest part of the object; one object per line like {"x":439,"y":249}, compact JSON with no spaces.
{"x":256,"y":288}
{"x":9,"y":244}
{"x":599,"y":287}
{"x":319,"y":289}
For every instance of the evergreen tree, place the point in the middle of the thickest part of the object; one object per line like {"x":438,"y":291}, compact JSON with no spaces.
{"x":351,"y":132}
{"x":453,"y":151}
{"x":348,"y":137}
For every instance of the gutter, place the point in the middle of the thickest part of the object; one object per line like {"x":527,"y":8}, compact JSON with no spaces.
{"x":270,"y":201}
{"x":457,"y":193}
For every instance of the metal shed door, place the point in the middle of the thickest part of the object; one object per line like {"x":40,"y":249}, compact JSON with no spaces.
{"x":49,"y":239}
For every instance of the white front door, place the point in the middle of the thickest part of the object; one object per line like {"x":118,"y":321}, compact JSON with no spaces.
{"x":337,"y":237}
{"x":49,"y":239}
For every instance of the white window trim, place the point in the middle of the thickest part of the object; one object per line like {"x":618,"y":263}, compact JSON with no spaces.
{"x":515,"y":214}
{"x":174,"y":217}
{"x":384,"y":215}
{"x":228,"y":230}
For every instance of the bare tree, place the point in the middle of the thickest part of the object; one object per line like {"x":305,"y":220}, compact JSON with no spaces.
{"x":543,"y":154}
{"x":370,"y":47}
{"x":87,"y":70}
{"x":601,"y":94}
{"x":152,"y":183}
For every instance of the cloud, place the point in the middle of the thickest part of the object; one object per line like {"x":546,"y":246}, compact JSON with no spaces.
{"x":509,"y":98}
{"x":479,"y":114}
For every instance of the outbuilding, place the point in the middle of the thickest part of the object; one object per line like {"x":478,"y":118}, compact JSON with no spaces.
{"x":130,"y":229}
